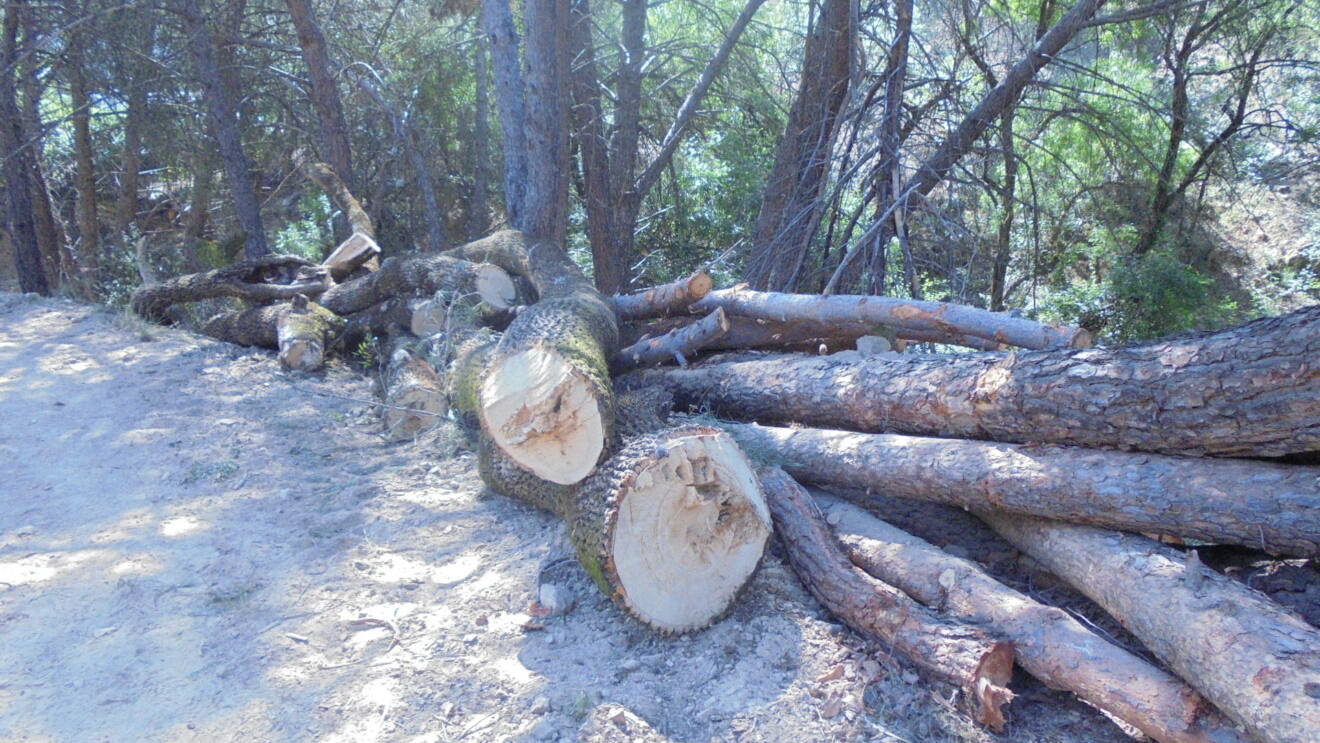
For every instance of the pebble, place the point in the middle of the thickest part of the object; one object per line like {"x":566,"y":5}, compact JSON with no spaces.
{"x":631,"y":664}
{"x":540,"y":705}
{"x":556,"y":599}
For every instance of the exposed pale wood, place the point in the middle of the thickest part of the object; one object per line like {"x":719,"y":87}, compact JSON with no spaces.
{"x":954,"y":652}
{"x":1256,"y":661}
{"x":403,"y":276}
{"x":414,"y":396}
{"x":261,"y":327}
{"x":302,"y":332}
{"x":671,"y":526}
{"x":901,"y":314}
{"x":1273,"y":507}
{"x":676,"y":345}
{"x":358,"y":250}
{"x":1253,"y":391}
{"x":265,"y":279}
{"x":673,"y":298}
{"x":1047,"y":641}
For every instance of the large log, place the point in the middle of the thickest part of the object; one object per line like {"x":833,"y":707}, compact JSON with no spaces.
{"x":266,"y":279}
{"x":1047,"y":641}
{"x":404,"y":276}
{"x":676,"y":345}
{"x":671,"y":526}
{"x":1256,"y":661}
{"x":673,"y":298}
{"x":1253,"y":391}
{"x":1273,"y":507}
{"x":302,"y":332}
{"x":954,"y":652}
{"x":546,"y":398}
{"x":413,"y":393}
{"x":794,"y":335}
{"x":900,"y":314}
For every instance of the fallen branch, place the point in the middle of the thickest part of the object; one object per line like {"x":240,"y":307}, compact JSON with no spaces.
{"x":673,"y":298}
{"x":299,"y":331}
{"x":1253,"y":391}
{"x":801,"y":335}
{"x":675,"y":345}
{"x":402,"y":276}
{"x":1256,"y":661}
{"x":1047,"y":642}
{"x":269,"y":278}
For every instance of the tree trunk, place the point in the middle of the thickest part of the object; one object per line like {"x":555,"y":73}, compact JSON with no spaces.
{"x":266,"y":279}
{"x":956,"y":653}
{"x":89,"y":230}
{"x":324,"y":93}
{"x":18,"y":188}
{"x":1273,"y":507}
{"x":299,"y":331}
{"x":545,"y":127}
{"x":1250,"y":391}
{"x":791,"y":206}
{"x":497,"y":24}
{"x":414,"y":396}
{"x":675,"y":345}
{"x":1256,"y":661}
{"x":748,"y":333}
{"x":1047,"y":641}
{"x":899,"y":314}
{"x":546,"y":400}
{"x":478,"y":210}
{"x":889,"y":171}
{"x":401,"y":276}
{"x":223,"y":116}
{"x":671,"y":527}
{"x":57,"y":259}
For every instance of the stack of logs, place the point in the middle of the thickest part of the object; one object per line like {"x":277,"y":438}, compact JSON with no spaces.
{"x":1092,"y":461}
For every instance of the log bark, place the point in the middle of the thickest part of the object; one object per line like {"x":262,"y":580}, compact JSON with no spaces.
{"x":956,"y":653}
{"x":1047,"y":641}
{"x":676,"y":345}
{"x":750,"y":333}
{"x":900,"y":314}
{"x":302,"y":333}
{"x":18,"y":190}
{"x":673,"y":298}
{"x":265,"y":279}
{"x":324,"y":92}
{"x":671,"y":526}
{"x":261,"y":326}
{"x":401,"y":276}
{"x":1250,"y":391}
{"x":414,"y":396}
{"x":1256,"y":661}
{"x":546,"y":397}
{"x":1273,"y":507}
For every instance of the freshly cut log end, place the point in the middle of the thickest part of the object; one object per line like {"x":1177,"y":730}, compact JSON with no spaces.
{"x":495,"y":286}
{"x":414,"y":396}
{"x":686,"y":524}
{"x":545,"y":413}
{"x":301,"y":332}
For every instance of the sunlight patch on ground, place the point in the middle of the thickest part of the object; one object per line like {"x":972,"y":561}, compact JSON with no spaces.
{"x":125,"y":527}
{"x":181,"y":526}
{"x":44,"y":566}
{"x":513,"y":669}
{"x":396,"y":568}
{"x":139,"y":436}
{"x":143,"y":563}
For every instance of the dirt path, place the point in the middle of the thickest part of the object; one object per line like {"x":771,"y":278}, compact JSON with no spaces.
{"x":196,"y":546}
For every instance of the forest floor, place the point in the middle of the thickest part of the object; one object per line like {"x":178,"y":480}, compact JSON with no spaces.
{"x":195,"y":545}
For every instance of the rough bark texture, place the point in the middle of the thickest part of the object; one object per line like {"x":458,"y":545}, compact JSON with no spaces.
{"x":676,"y":345}
{"x":900,"y":314}
{"x":1047,"y":642}
{"x":324,"y":93}
{"x":89,"y":230}
{"x":402,"y":276}
{"x":260,"y":326}
{"x":1253,"y":390}
{"x":302,"y":332}
{"x":27,"y":253}
{"x":954,"y":652}
{"x":804,"y":335}
{"x":546,"y":398}
{"x":626,"y":521}
{"x":1273,"y":507}
{"x":414,"y":396}
{"x":673,"y":298}
{"x":1258,"y":662}
{"x":265,"y":279}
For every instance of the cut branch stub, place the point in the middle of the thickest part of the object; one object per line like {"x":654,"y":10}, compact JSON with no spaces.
{"x":671,"y":527}
{"x":673,"y":298}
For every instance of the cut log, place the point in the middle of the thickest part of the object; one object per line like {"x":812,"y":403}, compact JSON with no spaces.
{"x":360,"y":248}
{"x":676,"y":345}
{"x":1256,"y":661}
{"x":387,"y":319}
{"x":403,"y":276}
{"x":673,"y":298}
{"x":266,"y":279}
{"x":546,"y":397}
{"x":1273,"y":507}
{"x":1047,"y":642}
{"x":671,"y":527}
{"x":901,"y":314}
{"x":802,"y":335}
{"x":356,"y":251}
{"x":1248,"y":391}
{"x":300,"y":334}
{"x":414,"y":396}
{"x":957,"y":653}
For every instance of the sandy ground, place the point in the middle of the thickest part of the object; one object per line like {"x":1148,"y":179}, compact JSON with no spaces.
{"x":197,"y":546}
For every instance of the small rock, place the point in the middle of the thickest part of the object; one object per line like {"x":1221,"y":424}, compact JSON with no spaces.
{"x":832,"y":708}
{"x":630,"y":665}
{"x":447,"y":710}
{"x":483,"y":620}
{"x":540,"y":705}
{"x":544,"y":729}
{"x":556,"y":599}
{"x":910,"y":677}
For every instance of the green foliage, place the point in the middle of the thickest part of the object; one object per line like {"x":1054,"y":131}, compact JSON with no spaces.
{"x":307,"y":237}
